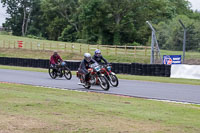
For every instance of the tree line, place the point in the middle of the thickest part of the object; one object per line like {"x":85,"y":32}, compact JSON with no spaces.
{"x":118,"y":22}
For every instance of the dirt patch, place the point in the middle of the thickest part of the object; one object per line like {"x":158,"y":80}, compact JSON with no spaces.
{"x":192,"y":61}
{"x":21,"y":124}
{"x":64,"y":123}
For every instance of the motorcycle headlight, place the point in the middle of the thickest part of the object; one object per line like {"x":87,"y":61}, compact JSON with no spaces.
{"x":97,"y":68}
{"x":109,"y":68}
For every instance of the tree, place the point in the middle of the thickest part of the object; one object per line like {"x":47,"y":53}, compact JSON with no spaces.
{"x":121,"y":15}
{"x":59,"y":13}
{"x":170,"y":33}
{"x":20,"y":12}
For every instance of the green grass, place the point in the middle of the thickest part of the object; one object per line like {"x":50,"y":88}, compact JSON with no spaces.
{"x":121,"y":76}
{"x":31,"y":109}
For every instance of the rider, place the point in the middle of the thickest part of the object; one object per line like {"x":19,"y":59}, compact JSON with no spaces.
{"x":85,"y":65}
{"x":54,"y":60}
{"x":98,"y":57}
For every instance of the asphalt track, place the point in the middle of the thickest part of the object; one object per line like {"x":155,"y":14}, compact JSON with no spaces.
{"x":133,"y":88}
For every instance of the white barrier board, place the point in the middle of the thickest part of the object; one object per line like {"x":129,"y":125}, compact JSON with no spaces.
{"x":185,"y":71}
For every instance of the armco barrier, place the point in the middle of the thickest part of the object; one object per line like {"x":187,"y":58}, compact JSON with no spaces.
{"x":119,"y":68}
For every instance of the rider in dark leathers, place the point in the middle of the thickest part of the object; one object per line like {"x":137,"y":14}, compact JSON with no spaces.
{"x":85,"y":65}
{"x":54,"y":60}
{"x":98,"y":57}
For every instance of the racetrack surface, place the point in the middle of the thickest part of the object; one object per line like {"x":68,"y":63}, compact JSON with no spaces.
{"x":133,"y":88}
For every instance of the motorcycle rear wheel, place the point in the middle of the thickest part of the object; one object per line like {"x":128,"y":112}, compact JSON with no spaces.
{"x":82,"y":80}
{"x":52,"y":73}
{"x":104,"y":83}
{"x":87,"y":86}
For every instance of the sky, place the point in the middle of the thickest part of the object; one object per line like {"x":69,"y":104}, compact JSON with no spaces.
{"x":3,"y":15}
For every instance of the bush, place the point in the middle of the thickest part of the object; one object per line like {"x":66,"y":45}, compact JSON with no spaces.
{"x":4,"y":33}
{"x":134,"y":44}
{"x":198,"y":49}
{"x":69,"y":34}
{"x":36,"y":37}
{"x":81,"y":41}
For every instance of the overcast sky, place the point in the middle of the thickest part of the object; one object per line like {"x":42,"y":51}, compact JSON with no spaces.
{"x":3,"y":15}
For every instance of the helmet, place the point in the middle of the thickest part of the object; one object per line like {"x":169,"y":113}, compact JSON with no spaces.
{"x":55,"y":53}
{"x":87,"y":57}
{"x":97,"y":52}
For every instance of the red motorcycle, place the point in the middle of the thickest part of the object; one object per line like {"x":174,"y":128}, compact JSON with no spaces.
{"x":95,"y":78}
{"x":111,"y":76}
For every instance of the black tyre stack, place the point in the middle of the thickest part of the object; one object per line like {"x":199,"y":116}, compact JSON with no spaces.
{"x":167,"y":70}
{"x":144,"y":69}
{"x":138,"y":68}
{"x":162,"y":71}
{"x":123,"y":68}
{"x":157,"y":70}
{"x":133,"y":68}
{"x":115,"y":67}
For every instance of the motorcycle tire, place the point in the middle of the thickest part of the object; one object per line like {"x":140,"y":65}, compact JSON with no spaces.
{"x":104,"y":83}
{"x":67,"y":73}
{"x":87,"y":86}
{"x":113,"y":80}
{"x":52,"y":74}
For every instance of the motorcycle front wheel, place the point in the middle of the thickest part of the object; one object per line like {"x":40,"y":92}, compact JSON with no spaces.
{"x":104,"y":83}
{"x":67,"y":73}
{"x":113,"y":80}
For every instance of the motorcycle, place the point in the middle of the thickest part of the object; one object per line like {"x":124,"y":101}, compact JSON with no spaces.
{"x":60,"y":70}
{"x":95,"y":78}
{"x":111,"y":76}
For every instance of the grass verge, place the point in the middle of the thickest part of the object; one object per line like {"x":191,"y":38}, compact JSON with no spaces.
{"x":120,"y":76}
{"x":31,"y":109}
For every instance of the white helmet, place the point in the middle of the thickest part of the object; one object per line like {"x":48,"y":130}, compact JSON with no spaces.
{"x":87,"y":57}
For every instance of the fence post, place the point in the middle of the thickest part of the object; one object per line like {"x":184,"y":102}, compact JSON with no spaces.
{"x":31,"y":46}
{"x":65,"y":47}
{"x":88,"y":48}
{"x":145,"y":51}
{"x":72,"y":48}
{"x":43,"y":46}
{"x":50,"y":46}
{"x":125,"y":49}
{"x":3,"y":43}
{"x":9,"y":44}
{"x":57,"y":47}
{"x":24,"y":45}
{"x":97,"y":46}
{"x":115,"y":49}
{"x":14,"y":44}
{"x":37,"y":45}
{"x":135,"y":51}
{"x":80,"y":50}
{"x":107,"y":49}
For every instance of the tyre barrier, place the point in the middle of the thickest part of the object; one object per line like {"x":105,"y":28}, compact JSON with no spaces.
{"x":119,"y":68}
